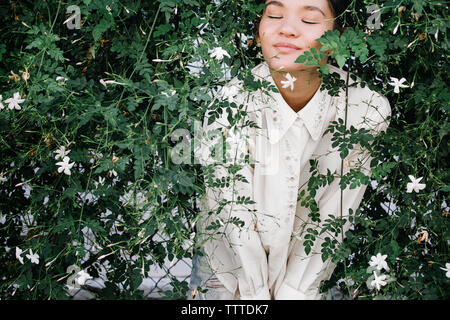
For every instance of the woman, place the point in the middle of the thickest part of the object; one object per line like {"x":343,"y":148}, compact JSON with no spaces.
{"x":263,"y":256}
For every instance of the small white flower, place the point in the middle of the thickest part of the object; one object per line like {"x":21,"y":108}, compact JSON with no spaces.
{"x":1,"y":104}
{"x":61,"y":153}
{"x":13,"y":103}
{"x":415,"y":185}
{"x":447,"y":270}
{"x":113,"y":82}
{"x":141,"y":233}
{"x":171,"y":93}
{"x":397,"y":84}
{"x":378,"y":281}
{"x":81,"y":278}
{"x":347,"y":280}
{"x":34,"y":257}
{"x":2,"y":177}
{"x":423,"y":236}
{"x":396,"y":28}
{"x":100,"y":181}
{"x":218,"y":53}
{"x":290,"y":82}
{"x":18,"y":253}
{"x":2,"y":219}
{"x":61,"y":80}
{"x":112,"y":173}
{"x":104,"y":83}
{"x":65,"y":165}
{"x":379,"y":261}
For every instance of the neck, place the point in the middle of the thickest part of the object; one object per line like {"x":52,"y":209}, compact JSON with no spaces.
{"x":306,"y":85}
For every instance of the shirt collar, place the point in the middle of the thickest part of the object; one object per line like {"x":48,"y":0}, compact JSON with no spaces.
{"x":280,"y":116}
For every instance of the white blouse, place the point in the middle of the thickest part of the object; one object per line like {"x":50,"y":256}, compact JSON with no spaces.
{"x":265,"y":258}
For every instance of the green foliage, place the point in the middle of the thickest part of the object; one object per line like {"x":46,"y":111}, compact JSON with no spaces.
{"x":134,"y":207}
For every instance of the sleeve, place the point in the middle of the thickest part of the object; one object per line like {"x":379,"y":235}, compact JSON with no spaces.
{"x":235,"y":247}
{"x":304,"y":272}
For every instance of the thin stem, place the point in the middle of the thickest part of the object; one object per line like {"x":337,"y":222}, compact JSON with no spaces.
{"x":342,"y":162}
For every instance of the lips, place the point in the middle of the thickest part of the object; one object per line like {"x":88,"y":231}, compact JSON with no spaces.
{"x":282,"y":45}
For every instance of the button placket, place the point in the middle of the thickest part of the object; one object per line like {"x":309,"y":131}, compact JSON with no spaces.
{"x":320,"y":115}
{"x":291,"y":178}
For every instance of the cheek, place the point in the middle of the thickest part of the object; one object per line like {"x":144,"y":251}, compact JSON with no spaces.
{"x":266,"y":27}
{"x":312,"y":35}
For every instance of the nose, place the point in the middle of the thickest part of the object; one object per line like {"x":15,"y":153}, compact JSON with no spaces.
{"x":290,"y":27}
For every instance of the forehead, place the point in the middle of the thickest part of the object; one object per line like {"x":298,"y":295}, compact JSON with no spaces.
{"x":310,"y":7}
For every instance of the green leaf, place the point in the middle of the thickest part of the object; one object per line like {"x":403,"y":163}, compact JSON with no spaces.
{"x":395,"y":248}
{"x":135,"y":279}
{"x":340,"y":60}
{"x":301,"y":59}
{"x":100,"y":28}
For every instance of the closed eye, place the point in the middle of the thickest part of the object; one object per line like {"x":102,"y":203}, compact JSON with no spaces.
{"x":309,"y":22}
{"x":273,"y":17}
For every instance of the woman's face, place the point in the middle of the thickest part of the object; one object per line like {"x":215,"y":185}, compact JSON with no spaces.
{"x":295,"y":23}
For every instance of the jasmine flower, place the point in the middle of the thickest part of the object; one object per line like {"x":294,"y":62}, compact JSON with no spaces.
{"x":415,"y":185}
{"x":289,"y":82}
{"x":112,"y":173}
{"x":219,"y":53}
{"x":100,"y":181}
{"x":65,"y":165}
{"x":18,"y":253}
{"x":397,"y":84}
{"x":14,"y":103}
{"x":446,"y":269}
{"x":61,"y":153}
{"x":34,"y":257}
{"x":423,"y":236}
{"x":396,"y":28}
{"x":104,"y":83}
{"x":379,"y":261}
{"x":172,"y":92}
{"x":378,"y":281}
{"x":81,"y":278}
{"x":61,"y":80}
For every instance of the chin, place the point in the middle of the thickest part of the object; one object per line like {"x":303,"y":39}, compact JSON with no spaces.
{"x":285,"y":64}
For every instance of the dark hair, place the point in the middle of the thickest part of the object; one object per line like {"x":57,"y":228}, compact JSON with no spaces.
{"x":337,"y":8}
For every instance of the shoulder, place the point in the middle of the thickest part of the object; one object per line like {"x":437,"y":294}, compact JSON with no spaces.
{"x":366,"y":107}
{"x":232,"y":97}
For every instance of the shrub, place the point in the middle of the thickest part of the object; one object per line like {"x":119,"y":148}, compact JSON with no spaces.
{"x":110,"y":95}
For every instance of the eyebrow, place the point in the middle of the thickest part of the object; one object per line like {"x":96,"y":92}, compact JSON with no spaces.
{"x":311,"y":8}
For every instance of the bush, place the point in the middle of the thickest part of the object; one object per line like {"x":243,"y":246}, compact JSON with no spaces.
{"x":110,"y":96}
